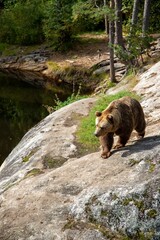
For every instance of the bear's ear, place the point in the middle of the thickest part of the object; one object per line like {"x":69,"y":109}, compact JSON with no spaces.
{"x":110,"y":118}
{"x":98,"y":114}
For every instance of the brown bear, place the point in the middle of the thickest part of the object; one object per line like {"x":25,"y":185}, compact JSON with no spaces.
{"x":120,"y":118}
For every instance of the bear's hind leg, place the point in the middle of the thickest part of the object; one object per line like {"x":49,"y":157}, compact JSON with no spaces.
{"x":140,"y":135}
{"x":140,"y":129}
{"x":122,"y":140}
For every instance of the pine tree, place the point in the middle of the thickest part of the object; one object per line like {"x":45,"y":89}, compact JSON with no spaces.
{"x":111,"y":43}
{"x":118,"y":23}
{"x":135,"y":12}
{"x":146,"y":13}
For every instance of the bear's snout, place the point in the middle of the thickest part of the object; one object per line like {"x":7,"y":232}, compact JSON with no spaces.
{"x":96,"y":134}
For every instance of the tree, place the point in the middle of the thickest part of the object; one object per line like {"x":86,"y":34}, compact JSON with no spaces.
{"x":146,"y":13}
{"x":21,"y":23}
{"x":118,"y":23}
{"x":58,"y":24}
{"x":111,"y":43}
{"x":106,"y":20}
{"x":99,"y":9}
{"x":135,"y":13}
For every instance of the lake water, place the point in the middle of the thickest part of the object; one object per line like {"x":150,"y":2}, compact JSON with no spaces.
{"x":21,"y":107}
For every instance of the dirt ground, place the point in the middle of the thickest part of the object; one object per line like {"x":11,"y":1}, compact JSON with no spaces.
{"x":91,"y":50}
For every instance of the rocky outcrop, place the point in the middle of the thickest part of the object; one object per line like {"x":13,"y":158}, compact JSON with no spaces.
{"x":38,"y":68}
{"x":35,"y":61}
{"x":50,"y":191}
{"x":104,"y":67}
{"x":28,"y":68}
{"x":148,"y":88}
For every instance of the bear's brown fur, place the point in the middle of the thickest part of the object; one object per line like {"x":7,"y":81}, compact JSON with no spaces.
{"x":120,"y":117}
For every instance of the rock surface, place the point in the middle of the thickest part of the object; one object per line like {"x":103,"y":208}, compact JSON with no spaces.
{"x":35,"y":61}
{"x":49,"y":191}
{"x":28,"y":68}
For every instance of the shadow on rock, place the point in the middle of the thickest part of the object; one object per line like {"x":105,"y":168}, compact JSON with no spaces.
{"x":140,"y":146}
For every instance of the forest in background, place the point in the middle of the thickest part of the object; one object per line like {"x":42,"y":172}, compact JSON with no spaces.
{"x":28,"y":22}
{"x":58,"y":23}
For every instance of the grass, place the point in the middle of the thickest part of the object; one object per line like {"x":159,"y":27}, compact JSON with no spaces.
{"x":69,"y":100}
{"x":92,"y":37}
{"x":84,"y":134}
{"x":3,"y":46}
{"x":7,"y":50}
{"x":72,"y":98}
{"x":53,"y":66}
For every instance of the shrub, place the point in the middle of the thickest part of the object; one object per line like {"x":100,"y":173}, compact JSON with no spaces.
{"x":73,"y":98}
{"x":22,"y":23}
{"x":58,"y":26}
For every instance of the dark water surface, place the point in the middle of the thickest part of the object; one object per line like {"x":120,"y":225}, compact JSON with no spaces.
{"x":21,"y":107}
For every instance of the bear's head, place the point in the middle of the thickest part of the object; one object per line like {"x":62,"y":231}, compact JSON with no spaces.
{"x":104,"y":123}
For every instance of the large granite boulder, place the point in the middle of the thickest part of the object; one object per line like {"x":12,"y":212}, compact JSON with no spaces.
{"x":49,"y":191}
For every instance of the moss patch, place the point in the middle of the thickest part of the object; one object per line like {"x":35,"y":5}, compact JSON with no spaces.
{"x":73,"y":119}
{"x":33,"y":172}
{"x":27,"y":157}
{"x":140,"y":205}
{"x":132,"y":162}
{"x":145,"y":236}
{"x":152,"y":167}
{"x":127,"y":201}
{"x":72,"y":224}
{"x":104,"y":213}
{"x":152,"y":213}
{"x":53,"y":162}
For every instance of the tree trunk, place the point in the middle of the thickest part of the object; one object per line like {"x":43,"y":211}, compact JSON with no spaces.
{"x":111,"y":49}
{"x":135,"y":12}
{"x":146,"y":16}
{"x":118,"y":23}
{"x":106,"y":19}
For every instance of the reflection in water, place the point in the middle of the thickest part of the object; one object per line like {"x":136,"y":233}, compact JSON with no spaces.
{"x":21,"y":107}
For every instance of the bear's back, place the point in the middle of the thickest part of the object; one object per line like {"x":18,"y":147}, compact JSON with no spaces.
{"x":137,"y":111}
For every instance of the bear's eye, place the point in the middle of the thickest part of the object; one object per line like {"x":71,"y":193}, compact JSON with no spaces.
{"x":102,"y":128}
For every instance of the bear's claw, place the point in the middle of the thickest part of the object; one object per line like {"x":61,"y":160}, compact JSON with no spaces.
{"x":118,"y":146}
{"x":106,"y":155}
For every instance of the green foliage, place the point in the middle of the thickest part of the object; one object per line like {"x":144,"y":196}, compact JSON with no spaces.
{"x":73,"y":98}
{"x":3,"y":46}
{"x":155,"y":17}
{"x":58,"y":26}
{"x":28,"y":22}
{"x":22,"y":23}
{"x":87,"y":15}
{"x":127,"y":7}
{"x":136,"y":44}
{"x":86,"y":129}
{"x":83,"y":16}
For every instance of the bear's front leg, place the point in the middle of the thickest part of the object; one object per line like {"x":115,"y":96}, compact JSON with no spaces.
{"x":106,"y":144}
